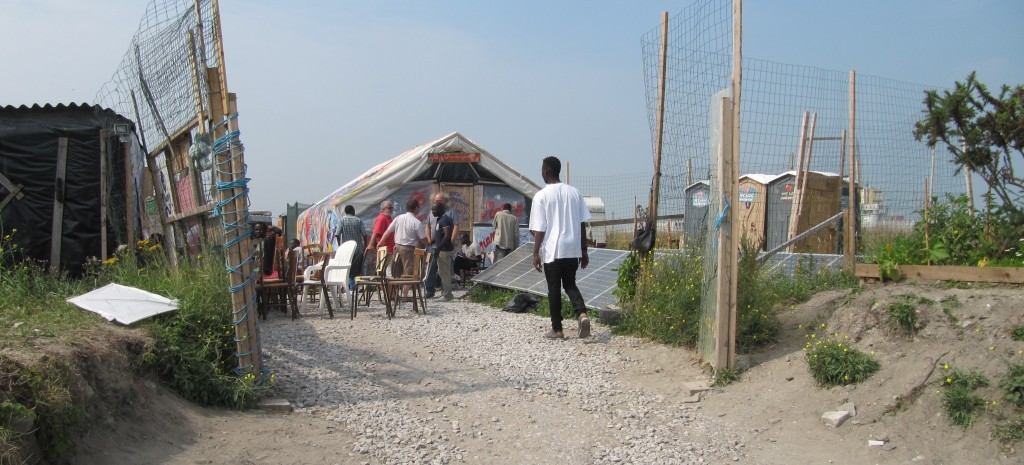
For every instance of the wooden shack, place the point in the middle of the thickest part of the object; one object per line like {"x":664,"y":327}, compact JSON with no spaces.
{"x":820,"y":202}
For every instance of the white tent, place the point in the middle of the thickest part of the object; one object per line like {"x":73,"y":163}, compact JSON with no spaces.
{"x":476,"y":182}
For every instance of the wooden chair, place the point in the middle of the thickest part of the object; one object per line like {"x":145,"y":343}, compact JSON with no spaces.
{"x":415,"y":283}
{"x":365,"y":286}
{"x":278,"y":292}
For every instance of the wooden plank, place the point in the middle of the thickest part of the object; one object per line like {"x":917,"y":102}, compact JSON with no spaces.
{"x":169,"y":244}
{"x":103,"y":195}
{"x":652,"y":206}
{"x":1012,"y":275}
{"x":131,"y":202}
{"x":57,"y":227}
{"x":850,"y":238}
{"x":726,"y":267}
{"x":734,"y":225}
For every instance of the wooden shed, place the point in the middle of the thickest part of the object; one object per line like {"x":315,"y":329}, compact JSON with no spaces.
{"x":820,"y":202}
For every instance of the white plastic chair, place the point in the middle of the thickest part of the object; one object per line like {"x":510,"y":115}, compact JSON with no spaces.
{"x":336,"y":273}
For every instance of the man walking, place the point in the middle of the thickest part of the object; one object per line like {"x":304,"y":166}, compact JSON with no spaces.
{"x":506,"y":232}
{"x":557,"y":221}
{"x":351,"y":228}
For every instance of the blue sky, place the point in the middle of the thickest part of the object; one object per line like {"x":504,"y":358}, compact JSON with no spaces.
{"x":329,"y":89}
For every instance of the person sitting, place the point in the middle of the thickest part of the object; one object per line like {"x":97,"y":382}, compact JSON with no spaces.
{"x":468,"y":257}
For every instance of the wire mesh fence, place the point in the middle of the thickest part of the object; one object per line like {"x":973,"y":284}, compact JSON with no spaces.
{"x":163,"y":85}
{"x":172,"y":84}
{"x":777,"y":138}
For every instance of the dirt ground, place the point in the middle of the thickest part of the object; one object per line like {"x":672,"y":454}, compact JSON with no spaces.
{"x":775,"y":407}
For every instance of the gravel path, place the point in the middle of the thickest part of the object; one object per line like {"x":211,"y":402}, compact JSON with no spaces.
{"x":467,"y":383}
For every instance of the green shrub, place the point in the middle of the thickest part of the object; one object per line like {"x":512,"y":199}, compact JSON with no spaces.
{"x":959,"y":400}
{"x":666,"y":306}
{"x":832,"y":361}
{"x":1017,"y":334}
{"x":628,"y":273}
{"x":956,"y":236}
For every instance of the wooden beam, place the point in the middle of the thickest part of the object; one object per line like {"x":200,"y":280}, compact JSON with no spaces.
{"x":652,"y":207}
{"x":850,"y":238}
{"x":131,"y":201}
{"x":231,"y":166}
{"x":57,"y":226}
{"x":169,"y":244}
{"x":1011,"y":275}
{"x":726,"y":267}
{"x":103,"y":194}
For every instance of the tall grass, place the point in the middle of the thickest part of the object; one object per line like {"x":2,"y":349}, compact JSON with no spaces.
{"x":194,"y":352}
{"x":666,"y":307}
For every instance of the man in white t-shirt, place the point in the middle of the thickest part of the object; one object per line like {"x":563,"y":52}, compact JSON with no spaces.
{"x":409,"y":234}
{"x":557,"y":220}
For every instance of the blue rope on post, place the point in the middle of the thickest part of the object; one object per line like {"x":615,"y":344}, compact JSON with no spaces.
{"x":235,"y":224}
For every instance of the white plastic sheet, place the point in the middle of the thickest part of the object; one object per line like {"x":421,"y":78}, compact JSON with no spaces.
{"x":123,"y":304}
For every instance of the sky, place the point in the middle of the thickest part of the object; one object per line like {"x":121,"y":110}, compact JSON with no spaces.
{"x":328,"y":89}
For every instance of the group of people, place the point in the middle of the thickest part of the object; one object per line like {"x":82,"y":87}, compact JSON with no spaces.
{"x":403,"y":234}
{"x":557,"y":222}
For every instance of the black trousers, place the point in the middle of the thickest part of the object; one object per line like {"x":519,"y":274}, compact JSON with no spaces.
{"x":561,"y":274}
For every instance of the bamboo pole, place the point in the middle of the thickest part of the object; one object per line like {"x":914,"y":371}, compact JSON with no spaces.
{"x":250,"y":359}
{"x":850,"y":239}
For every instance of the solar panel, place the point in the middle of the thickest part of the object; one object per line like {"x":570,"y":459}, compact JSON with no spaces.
{"x":600,"y":279}
{"x":596,"y":282}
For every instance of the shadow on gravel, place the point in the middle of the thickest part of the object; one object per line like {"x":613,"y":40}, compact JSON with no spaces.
{"x":314,"y":365}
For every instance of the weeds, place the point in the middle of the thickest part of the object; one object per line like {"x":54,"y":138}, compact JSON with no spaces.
{"x":958,"y":399}
{"x":1017,"y":333}
{"x":950,"y":303}
{"x":726,"y":376}
{"x":834,"y":362}
{"x":904,"y":314}
{"x":1013,"y":385}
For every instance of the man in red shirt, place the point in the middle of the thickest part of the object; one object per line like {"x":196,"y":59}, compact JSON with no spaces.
{"x":387,"y":207}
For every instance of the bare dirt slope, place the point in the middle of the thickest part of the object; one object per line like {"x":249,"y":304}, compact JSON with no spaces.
{"x":772,"y":414}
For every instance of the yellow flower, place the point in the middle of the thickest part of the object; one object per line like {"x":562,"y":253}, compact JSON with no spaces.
{"x":945,"y":366}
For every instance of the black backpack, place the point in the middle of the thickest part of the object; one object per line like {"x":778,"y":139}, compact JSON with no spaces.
{"x":521,"y":303}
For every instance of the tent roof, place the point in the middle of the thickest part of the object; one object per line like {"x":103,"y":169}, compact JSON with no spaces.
{"x":414,"y":165}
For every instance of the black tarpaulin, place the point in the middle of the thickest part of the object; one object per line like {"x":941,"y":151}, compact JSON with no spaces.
{"x":29,"y":152}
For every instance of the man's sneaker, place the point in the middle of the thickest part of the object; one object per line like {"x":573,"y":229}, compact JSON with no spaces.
{"x":447,"y":298}
{"x":554,"y":335}
{"x":584,"y":327}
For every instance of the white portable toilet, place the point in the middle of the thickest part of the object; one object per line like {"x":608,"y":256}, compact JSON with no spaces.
{"x":597,"y":234}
